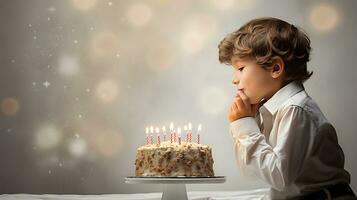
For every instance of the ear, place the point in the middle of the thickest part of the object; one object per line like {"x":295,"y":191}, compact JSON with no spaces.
{"x":278,"y":67}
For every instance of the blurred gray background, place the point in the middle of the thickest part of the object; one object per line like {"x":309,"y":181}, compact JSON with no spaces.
{"x":81,"y":79}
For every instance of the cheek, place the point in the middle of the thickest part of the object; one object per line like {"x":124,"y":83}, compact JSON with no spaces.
{"x":255,"y":87}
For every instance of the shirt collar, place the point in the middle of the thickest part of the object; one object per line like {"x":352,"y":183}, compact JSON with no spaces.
{"x":282,"y":95}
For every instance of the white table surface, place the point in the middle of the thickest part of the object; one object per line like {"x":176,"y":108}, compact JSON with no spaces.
{"x":202,"y":195}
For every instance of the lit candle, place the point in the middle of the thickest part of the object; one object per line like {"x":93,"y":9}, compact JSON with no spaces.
{"x":175,"y":136}
{"x":164,"y":132}
{"x":179,"y":135}
{"x":147,"y":135}
{"x":171,"y":130}
{"x":199,"y":133}
{"x":189,"y":132}
{"x":157,"y":130}
{"x":187,"y":136}
{"x":151,"y":135}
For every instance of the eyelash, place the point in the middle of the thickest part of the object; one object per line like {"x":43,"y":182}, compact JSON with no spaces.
{"x":241,"y":69}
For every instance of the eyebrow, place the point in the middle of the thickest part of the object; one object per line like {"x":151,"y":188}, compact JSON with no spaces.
{"x":236,"y":62}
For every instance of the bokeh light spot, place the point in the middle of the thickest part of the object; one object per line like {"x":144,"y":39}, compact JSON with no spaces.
{"x":9,"y":106}
{"x":197,"y":33}
{"x":139,"y":14}
{"x":324,"y":17}
{"x":107,"y":91}
{"x":47,"y":137}
{"x":104,"y":44}
{"x":161,"y":57}
{"x":77,"y":147}
{"x":68,"y":65}
{"x":223,"y":4}
{"x":84,"y":5}
{"x":107,"y":143}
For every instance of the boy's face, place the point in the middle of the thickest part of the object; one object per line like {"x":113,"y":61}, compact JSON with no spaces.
{"x":255,"y":81}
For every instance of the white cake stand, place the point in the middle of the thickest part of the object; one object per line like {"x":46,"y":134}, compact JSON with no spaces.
{"x":175,"y":187}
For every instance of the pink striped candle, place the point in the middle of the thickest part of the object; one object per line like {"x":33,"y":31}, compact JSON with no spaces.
{"x":199,"y":133}
{"x":179,"y":135}
{"x":157,"y":130}
{"x":189,"y":132}
{"x":171,"y":131}
{"x":186,"y":132}
{"x":147,"y":135}
{"x":151,"y":135}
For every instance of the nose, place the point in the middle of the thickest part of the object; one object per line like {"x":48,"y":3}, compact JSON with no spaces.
{"x":235,"y":79}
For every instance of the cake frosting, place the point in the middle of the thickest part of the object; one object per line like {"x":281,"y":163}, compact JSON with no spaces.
{"x":173,"y":159}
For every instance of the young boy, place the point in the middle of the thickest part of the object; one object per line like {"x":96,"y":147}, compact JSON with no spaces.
{"x":279,"y":132}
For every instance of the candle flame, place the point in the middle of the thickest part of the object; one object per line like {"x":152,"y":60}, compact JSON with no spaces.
{"x":147,"y":130}
{"x":199,"y":127}
{"x":189,"y":126}
{"x":163,"y":129}
{"x":157,"y":130}
{"x":185,"y":128}
{"x":179,"y":132}
{"x":171,"y":126}
{"x":151,"y":129}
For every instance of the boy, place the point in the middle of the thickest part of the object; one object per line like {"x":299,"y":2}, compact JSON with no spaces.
{"x":279,"y":132}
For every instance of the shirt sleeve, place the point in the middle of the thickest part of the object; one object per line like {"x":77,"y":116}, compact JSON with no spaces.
{"x":279,"y":165}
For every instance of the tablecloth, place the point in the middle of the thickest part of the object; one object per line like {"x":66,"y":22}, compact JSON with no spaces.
{"x":256,"y":194}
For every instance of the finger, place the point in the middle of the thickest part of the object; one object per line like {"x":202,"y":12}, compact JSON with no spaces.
{"x":245,"y":99}
{"x":232,"y":108}
{"x":239,"y":103}
{"x":237,"y":94}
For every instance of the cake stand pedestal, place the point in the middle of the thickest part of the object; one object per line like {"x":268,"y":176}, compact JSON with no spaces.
{"x":174,"y":187}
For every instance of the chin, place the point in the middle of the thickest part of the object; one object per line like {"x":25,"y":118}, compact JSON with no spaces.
{"x":255,"y":100}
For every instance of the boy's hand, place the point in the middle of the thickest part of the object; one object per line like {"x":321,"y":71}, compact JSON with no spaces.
{"x":241,"y":107}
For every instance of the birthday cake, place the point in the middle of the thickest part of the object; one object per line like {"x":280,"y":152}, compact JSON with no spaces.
{"x":174,"y":159}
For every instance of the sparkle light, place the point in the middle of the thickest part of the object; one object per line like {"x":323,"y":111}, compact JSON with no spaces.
{"x":107,"y":91}
{"x":213,"y":100}
{"x":139,"y":14}
{"x":324,"y":17}
{"x":51,"y":9}
{"x":47,"y":137}
{"x":9,"y":106}
{"x":46,"y":84}
{"x":84,"y":5}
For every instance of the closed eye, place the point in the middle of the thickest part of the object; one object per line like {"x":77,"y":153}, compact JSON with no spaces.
{"x":240,"y":69}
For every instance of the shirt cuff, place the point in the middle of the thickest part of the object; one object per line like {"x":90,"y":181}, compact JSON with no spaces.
{"x":244,"y":126}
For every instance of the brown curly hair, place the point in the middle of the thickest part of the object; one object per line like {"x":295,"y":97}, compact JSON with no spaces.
{"x":266,"y":38}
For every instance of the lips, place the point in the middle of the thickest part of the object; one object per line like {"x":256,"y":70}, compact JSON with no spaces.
{"x":238,"y":91}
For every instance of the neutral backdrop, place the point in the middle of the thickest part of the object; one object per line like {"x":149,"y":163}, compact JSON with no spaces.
{"x":81,"y":80}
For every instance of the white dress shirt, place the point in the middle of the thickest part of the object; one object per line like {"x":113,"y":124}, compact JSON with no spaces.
{"x":289,"y":145}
